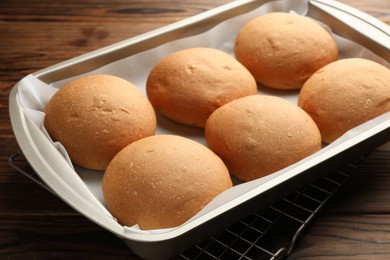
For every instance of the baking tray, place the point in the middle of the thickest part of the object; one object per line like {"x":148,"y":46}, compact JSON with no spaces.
{"x":52,"y":167}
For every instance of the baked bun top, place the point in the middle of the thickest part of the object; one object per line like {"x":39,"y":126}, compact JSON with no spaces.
{"x":258,"y":135}
{"x":188,"y":85}
{"x":162,"y":181}
{"x":94,"y":117}
{"x":345,"y":94}
{"x":283,"y":50}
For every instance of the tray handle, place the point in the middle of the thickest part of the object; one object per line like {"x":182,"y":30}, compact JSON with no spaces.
{"x":353,"y":24}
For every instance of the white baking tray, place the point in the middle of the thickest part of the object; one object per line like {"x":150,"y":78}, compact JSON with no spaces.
{"x":369,"y":37}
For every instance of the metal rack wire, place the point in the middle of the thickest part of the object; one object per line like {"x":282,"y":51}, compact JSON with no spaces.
{"x":270,"y":233}
{"x":19,"y":163}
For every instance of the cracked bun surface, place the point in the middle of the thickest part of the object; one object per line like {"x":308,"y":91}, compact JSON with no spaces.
{"x":258,"y":135}
{"x":345,"y":94}
{"x":188,"y":85}
{"x":283,"y":50}
{"x":162,"y":181}
{"x":96,"y":116}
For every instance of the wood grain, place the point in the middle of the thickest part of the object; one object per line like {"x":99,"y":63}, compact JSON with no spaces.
{"x":35,"y":224}
{"x":344,"y":236}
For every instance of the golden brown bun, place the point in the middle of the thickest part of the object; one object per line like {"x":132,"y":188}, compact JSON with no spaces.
{"x":258,"y":135}
{"x":345,"y":94}
{"x":188,"y":85}
{"x":162,"y":181}
{"x":282,"y":50}
{"x":94,"y":117}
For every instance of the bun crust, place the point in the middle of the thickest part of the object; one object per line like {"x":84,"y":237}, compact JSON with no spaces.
{"x":345,"y":94}
{"x":283,"y":50}
{"x":94,"y":117}
{"x":162,"y":181}
{"x":188,"y":85}
{"x":258,"y":135}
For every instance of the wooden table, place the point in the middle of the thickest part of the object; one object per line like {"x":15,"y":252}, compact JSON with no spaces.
{"x":35,"y":224}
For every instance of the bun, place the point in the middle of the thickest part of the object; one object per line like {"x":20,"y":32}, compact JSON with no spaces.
{"x":188,"y":85}
{"x":282,"y":50}
{"x":258,"y":135}
{"x":345,"y":94}
{"x":162,"y":181}
{"x":94,"y":117}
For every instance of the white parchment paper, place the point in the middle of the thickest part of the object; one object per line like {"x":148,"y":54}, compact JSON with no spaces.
{"x":34,"y":94}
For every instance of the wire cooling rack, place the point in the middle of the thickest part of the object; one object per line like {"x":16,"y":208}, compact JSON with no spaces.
{"x":270,"y":233}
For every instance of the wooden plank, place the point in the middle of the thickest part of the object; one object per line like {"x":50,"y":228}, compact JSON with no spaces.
{"x":62,"y":236}
{"x":346,"y":236}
